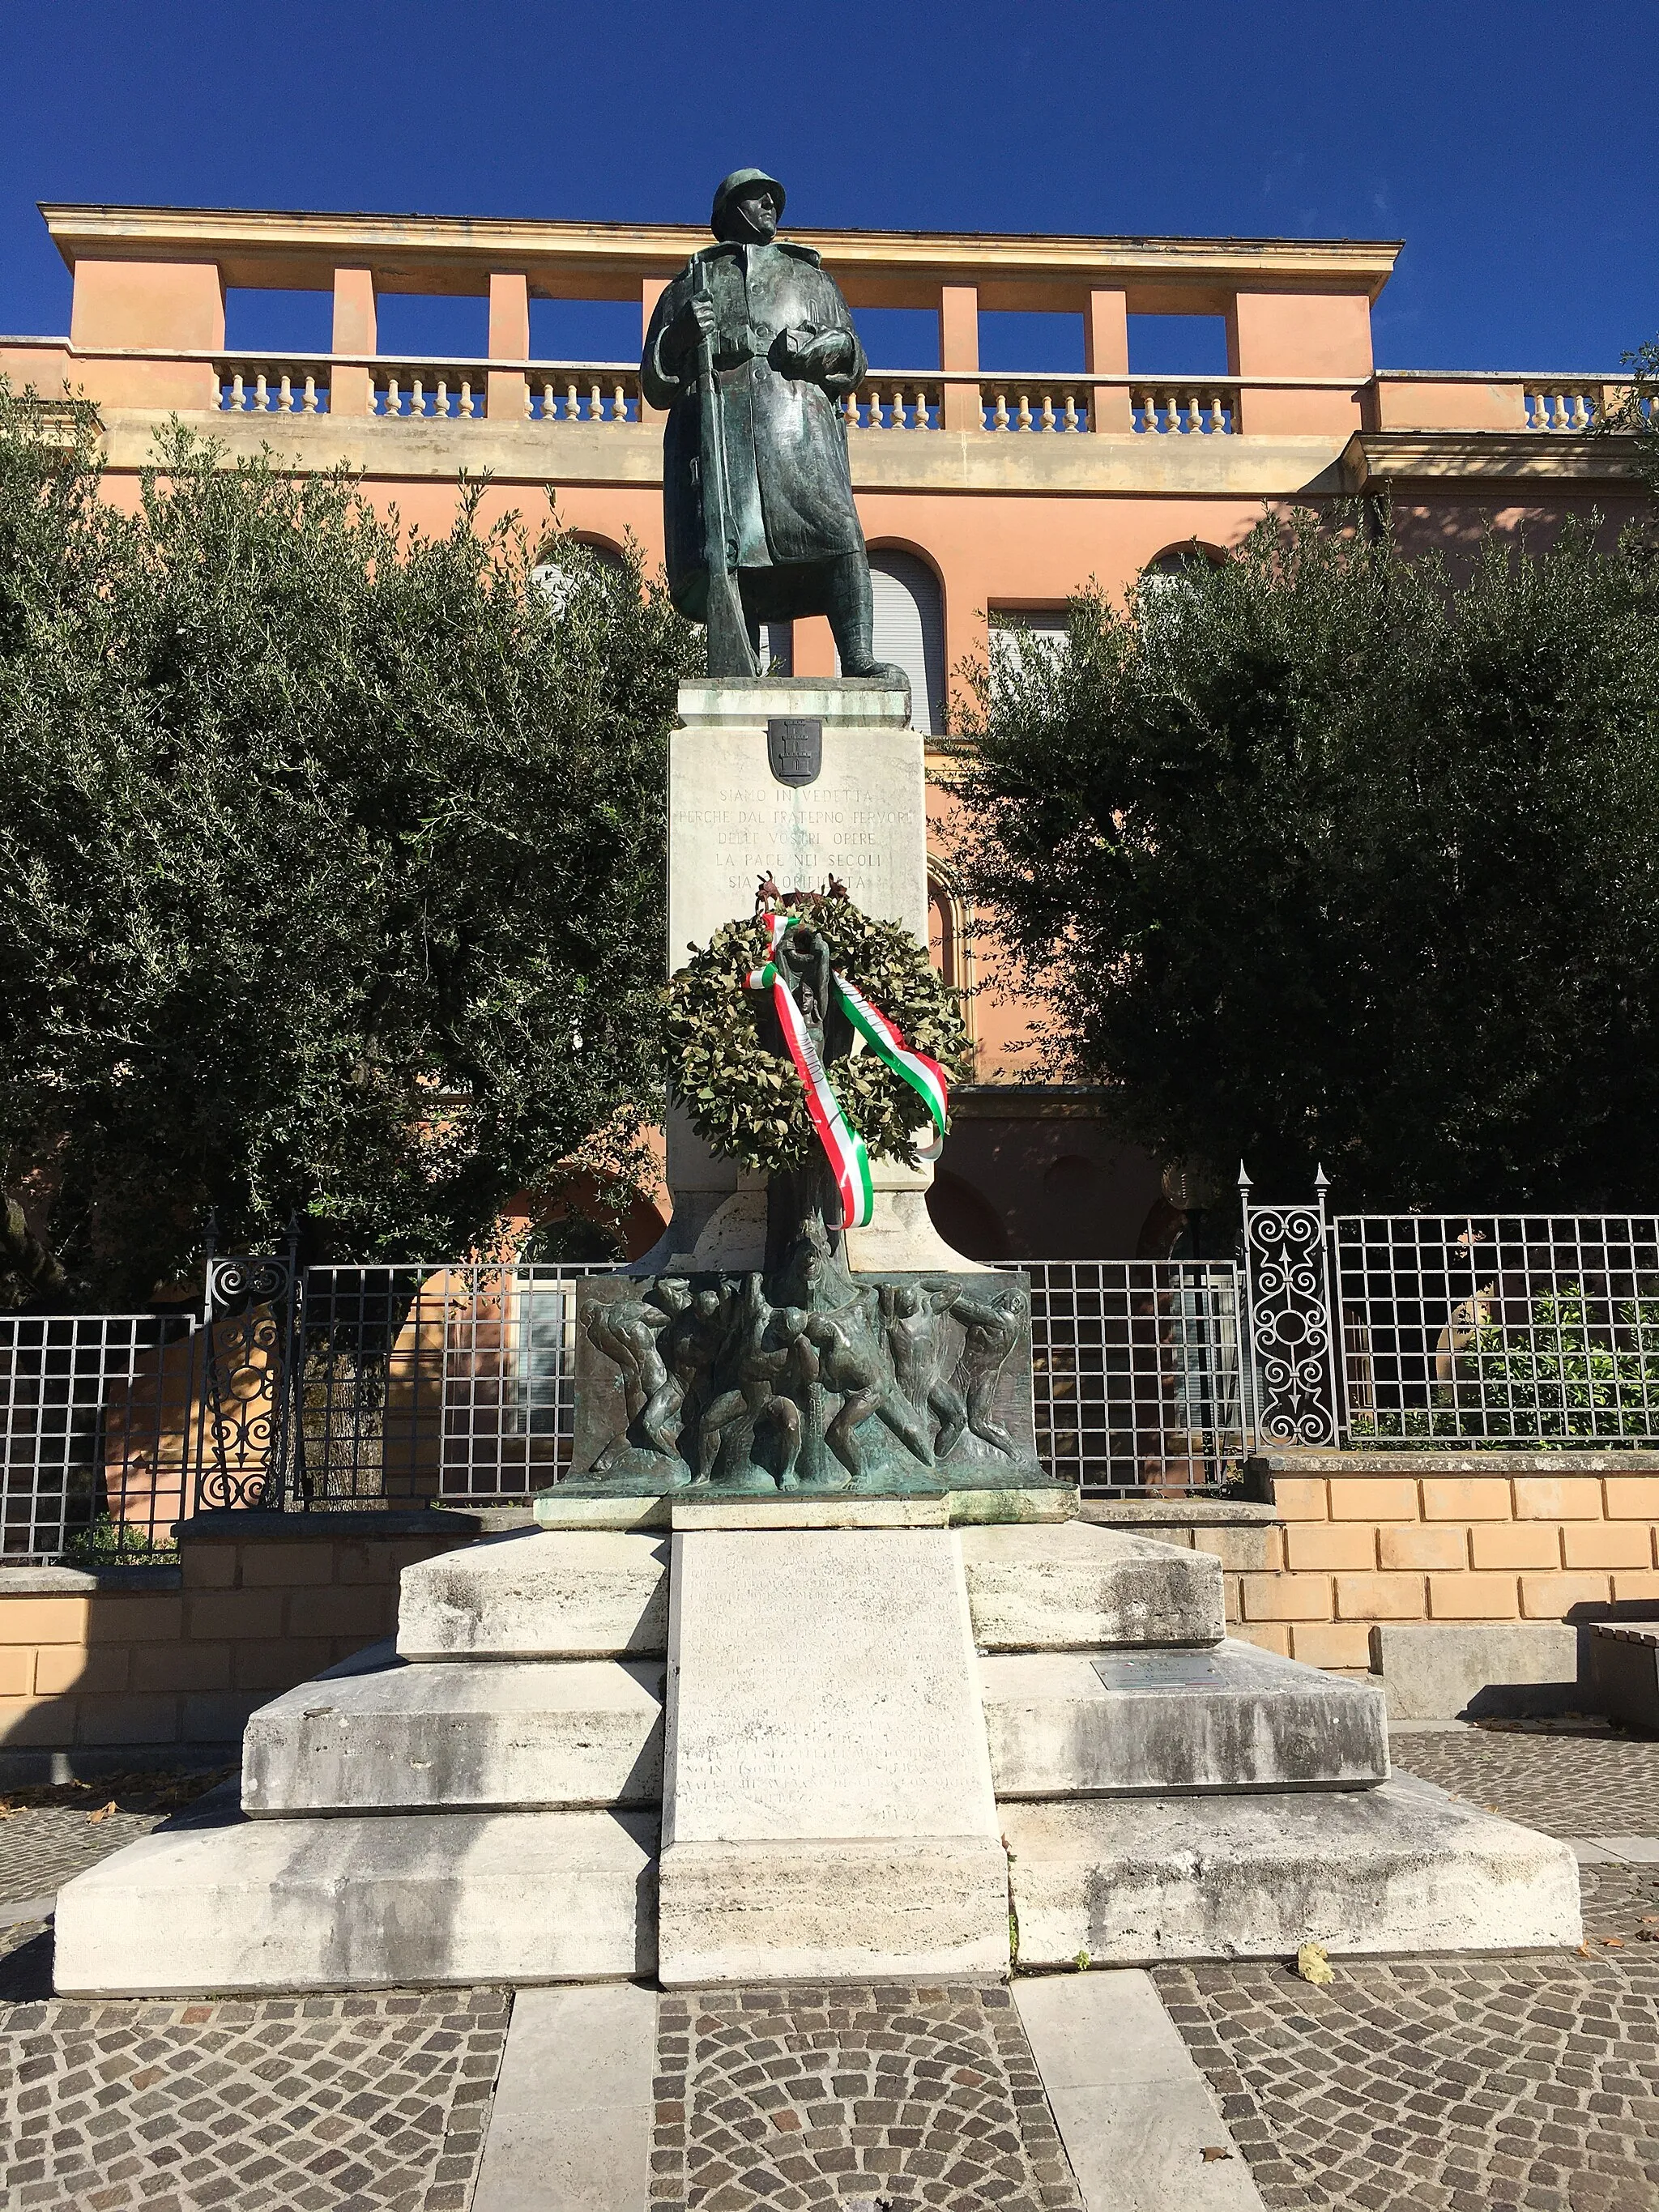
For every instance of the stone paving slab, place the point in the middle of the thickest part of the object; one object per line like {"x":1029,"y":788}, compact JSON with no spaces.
{"x":882,"y":2097}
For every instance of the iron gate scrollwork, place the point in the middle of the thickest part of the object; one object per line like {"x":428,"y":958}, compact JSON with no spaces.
{"x":1292,"y":1335}
{"x":250,"y":1441}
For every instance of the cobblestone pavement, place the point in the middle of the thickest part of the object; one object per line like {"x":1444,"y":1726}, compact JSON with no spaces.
{"x":42,"y":1846}
{"x":1567,"y":1785}
{"x":884,"y":2098}
{"x":270,"y":2104}
{"x":50,"y":1832}
{"x":1471,"y":2084}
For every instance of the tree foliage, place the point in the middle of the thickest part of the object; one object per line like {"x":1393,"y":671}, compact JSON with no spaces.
{"x":1323,"y":854}
{"x":332,"y":860}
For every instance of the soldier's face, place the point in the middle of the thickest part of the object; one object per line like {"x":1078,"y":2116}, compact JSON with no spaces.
{"x":756,"y":212}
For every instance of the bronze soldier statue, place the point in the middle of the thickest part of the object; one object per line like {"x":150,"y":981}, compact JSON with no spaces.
{"x":750,"y":349}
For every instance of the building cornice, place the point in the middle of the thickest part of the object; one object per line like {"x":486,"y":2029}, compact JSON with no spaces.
{"x":459,"y":253}
{"x":1390,"y":460}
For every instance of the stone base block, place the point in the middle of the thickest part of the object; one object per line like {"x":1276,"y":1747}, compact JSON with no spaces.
{"x":539,"y":1593}
{"x":1440,"y":1672}
{"x":1062,"y":1724}
{"x":425,"y":1899}
{"x":822,"y":1911}
{"x":1073,"y":1587}
{"x":544,"y":1732}
{"x":1401,"y":1867}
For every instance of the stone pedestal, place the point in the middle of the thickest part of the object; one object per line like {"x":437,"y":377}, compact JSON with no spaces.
{"x":863,"y":817}
{"x":828,"y":1810}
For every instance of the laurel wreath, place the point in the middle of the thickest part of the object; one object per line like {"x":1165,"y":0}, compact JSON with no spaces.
{"x":745,"y":1102}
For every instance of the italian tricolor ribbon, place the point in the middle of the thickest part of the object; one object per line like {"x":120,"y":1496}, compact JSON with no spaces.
{"x":843,"y":1146}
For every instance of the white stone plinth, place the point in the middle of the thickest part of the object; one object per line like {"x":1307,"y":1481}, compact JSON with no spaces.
{"x":730,"y":821}
{"x":425,"y":1899}
{"x":554,"y":1594}
{"x":827,"y":1801}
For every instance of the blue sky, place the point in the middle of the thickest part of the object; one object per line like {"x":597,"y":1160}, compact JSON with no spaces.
{"x":1510,"y":146}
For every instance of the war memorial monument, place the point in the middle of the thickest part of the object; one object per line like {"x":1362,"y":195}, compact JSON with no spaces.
{"x":810,"y":1668}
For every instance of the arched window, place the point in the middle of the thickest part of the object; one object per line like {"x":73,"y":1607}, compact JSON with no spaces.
{"x":556,"y":577}
{"x":909,"y":629}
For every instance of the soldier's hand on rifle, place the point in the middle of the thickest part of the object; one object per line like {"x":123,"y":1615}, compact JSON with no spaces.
{"x":694,"y":323}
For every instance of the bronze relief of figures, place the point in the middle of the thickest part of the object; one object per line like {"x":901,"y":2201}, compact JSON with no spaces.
{"x":810,"y":1379}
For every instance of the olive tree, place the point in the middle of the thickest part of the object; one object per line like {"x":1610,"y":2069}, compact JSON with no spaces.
{"x":1321,"y":854}
{"x":332,"y":861}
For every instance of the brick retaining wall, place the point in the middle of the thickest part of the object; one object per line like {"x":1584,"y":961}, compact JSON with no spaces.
{"x":1449,"y":1537}
{"x":156,"y":1655}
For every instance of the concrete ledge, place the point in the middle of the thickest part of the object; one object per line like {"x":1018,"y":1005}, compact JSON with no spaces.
{"x":1177,"y":1513}
{"x":1400,"y":1869}
{"x":1073,"y":1588}
{"x":570,"y":1733}
{"x":81,"y":1582}
{"x":1438,"y":1671}
{"x":541,"y":1594}
{"x":1464,"y":1460}
{"x":254,"y":1525}
{"x":1225,"y":1721}
{"x":1624,"y":1673}
{"x":425,"y":1899}
{"x":22,"y":1769}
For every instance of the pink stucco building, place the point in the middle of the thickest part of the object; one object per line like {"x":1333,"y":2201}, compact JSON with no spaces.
{"x":981,"y":492}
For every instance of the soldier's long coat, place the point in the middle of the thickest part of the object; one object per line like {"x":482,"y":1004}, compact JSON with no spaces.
{"x":790,"y":496}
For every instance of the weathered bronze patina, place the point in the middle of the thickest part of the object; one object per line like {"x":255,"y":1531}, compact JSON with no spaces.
{"x":751,"y":351}
{"x":806,"y":1378}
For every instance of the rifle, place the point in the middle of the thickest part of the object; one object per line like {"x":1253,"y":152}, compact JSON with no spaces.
{"x":729,"y":651}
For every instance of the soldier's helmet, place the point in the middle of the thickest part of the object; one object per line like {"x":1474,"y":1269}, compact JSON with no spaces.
{"x":739,"y":180}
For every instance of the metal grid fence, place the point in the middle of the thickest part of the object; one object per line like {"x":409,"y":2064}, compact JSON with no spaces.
{"x":95,"y":1446}
{"x":1498,"y":1329}
{"x":405,"y":1385}
{"x":1136,"y":1373}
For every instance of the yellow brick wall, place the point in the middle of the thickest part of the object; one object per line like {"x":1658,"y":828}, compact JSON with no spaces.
{"x":1385,"y":1547}
{"x":251,"y":1618}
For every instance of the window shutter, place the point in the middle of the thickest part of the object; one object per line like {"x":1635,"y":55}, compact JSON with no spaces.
{"x":909,"y":629}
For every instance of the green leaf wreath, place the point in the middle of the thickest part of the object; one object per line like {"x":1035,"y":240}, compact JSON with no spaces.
{"x":746,"y":1102}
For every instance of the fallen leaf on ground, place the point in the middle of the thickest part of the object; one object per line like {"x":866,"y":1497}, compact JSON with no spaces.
{"x":1613,"y":1943}
{"x":1313,"y":1965}
{"x":1213,"y":2151}
{"x":1585,"y":1951}
{"x":103,"y":1812}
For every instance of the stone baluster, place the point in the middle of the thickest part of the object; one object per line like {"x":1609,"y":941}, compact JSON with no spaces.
{"x":1070,"y":422}
{"x":1000,"y":418}
{"x":261,"y":393}
{"x":1024,"y":423}
{"x":308,"y":405}
{"x":619,"y":405}
{"x":238,"y":398}
{"x":1047,"y":421}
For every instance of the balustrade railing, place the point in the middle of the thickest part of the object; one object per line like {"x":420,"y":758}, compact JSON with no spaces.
{"x":569,"y":392}
{"x":896,"y":403}
{"x":411,"y":390}
{"x":1030,"y":403}
{"x":1560,"y":405}
{"x":264,"y":385}
{"x":1178,"y":407}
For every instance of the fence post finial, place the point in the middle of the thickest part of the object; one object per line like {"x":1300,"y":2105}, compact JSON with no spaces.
{"x":1322,"y":1180}
{"x":1243,"y":1178}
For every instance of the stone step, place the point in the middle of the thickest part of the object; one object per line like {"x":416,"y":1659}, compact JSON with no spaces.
{"x":1403,"y":1868}
{"x":1230,"y":1718}
{"x":471,"y":1736}
{"x":417,"y":1899}
{"x":537,"y":1594}
{"x":1077,"y":1588}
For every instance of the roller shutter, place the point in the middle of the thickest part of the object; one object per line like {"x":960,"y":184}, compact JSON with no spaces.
{"x":909,"y":629}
